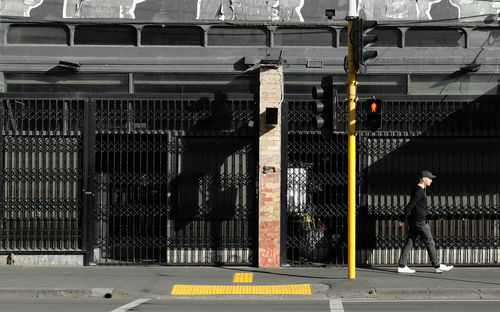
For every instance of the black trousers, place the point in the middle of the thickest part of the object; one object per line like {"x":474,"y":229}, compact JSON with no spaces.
{"x":419,"y":229}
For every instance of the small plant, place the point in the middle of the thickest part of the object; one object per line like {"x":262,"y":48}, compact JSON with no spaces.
{"x":308,"y":215}
{"x":307,"y":221}
{"x":310,"y":222}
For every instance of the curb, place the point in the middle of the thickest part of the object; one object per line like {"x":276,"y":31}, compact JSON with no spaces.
{"x":12,"y":292}
{"x":420,"y":293}
{"x":318,"y":291}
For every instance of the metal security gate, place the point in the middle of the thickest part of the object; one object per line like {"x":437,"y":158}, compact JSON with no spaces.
{"x":457,"y":138}
{"x":128,"y":180}
{"x":316,"y":175}
{"x":42,"y":153}
{"x":175,"y":181}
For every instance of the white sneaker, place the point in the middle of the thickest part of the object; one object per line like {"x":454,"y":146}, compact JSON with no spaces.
{"x":443,"y":268}
{"x":406,"y":269}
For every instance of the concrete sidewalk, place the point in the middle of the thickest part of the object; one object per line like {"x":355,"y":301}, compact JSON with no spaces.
{"x":158,"y":282}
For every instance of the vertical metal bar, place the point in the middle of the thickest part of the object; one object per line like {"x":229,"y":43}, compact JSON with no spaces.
{"x":48,"y":166}
{"x":231,"y":241}
{"x":106,"y":106}
{"x":171,"y":175}
{"x":65,"y":227}
{"x":11,"y":115}
{"x":65,"y":121}
{"x":139,"y":194}
{"x":229,"y":198}
{"x":182,"y":156}
{"x":89,"y":202}
{"x":100,"y":238}
{"x":63,"y":159}
{"x":284,"y":182}
{"x":209,"y":169}
{"x":131,"y":82}
{"x":103,"y":201}
{"x":243,"y":172}
{"x":156,"y":182}
{"x":105,"y":187}
{"x":172,"y":123}
{"x":142,"y":193}
{"x":130,"y":116}
{"x":127,"y":184}
{"x":3,"y":151}
{"x":85,"y":183}
{"x":115,"y":107}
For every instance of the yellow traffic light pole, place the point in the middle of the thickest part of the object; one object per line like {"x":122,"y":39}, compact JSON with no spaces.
{"x":351,"y":156}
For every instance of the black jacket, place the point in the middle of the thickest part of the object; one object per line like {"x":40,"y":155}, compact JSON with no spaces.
{"x":416,"y":209}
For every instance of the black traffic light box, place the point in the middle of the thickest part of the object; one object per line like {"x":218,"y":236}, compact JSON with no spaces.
{"x":374,"y":114}
{"x":362,"y":41}
{"x":325,"y":106}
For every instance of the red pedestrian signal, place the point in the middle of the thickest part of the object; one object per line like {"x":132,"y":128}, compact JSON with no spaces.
{"x":374,"y":114}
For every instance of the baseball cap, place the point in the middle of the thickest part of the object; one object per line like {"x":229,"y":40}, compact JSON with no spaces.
{"x":427,"y":174}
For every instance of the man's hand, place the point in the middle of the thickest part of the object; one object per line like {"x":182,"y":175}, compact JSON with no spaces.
{"x":400,"y":223}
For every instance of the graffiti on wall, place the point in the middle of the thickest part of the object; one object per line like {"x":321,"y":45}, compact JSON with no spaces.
{"x":100,"y":9}
{"x":427,"y":9}
{"x":275,"y":10}
{"x":299,"y":11}
{"x":18,"y":8}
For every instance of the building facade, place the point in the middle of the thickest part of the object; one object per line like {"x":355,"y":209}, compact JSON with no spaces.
{"x":182,"y":132}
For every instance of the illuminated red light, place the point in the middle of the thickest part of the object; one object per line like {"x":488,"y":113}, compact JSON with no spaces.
{"x":374,"y":107}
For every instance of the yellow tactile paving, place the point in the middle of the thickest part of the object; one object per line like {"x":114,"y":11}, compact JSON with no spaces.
{"x":297,"y":289}
{"x":243,"y":278}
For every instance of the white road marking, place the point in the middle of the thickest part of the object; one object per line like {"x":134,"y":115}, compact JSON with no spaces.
{"x":131,"y":305}
{"x":336,"y":305}
{"x":347,"y":300}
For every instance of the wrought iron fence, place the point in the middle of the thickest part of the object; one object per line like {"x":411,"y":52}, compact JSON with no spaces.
{"x":457,"y":138}
{"x":140,"y":180}
{"x":316,"y":210}
{"x":127,"y":180}
{"x":41,"y":164}
{"x":175,"y":181}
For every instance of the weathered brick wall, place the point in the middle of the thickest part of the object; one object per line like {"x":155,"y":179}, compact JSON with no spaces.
{"x":271,"y":80}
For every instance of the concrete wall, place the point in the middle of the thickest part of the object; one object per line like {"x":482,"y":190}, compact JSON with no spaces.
{"x":300,"y":11}
{"x":41,"y":260}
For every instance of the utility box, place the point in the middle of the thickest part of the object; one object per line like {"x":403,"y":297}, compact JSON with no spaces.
{"x":271,"y":115}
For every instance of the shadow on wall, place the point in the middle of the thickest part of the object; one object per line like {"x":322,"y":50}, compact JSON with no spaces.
{"x":214,"y":193}
{"x":458,"y":142}
{"x":180,"y":177}
{"x":425,"y":10}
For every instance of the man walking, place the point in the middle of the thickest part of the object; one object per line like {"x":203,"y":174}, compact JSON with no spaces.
{"x":416,"y":215}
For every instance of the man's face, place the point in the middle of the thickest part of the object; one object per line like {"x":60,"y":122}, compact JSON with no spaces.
{"x":427,"y":181}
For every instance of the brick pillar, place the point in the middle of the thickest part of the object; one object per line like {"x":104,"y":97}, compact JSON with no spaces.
{"x":271,"y":80}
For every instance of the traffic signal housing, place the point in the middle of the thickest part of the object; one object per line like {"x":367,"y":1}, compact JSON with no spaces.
{"x":362,"y":41}
{"x":374,"y":114}
{"x":325,"y":106}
